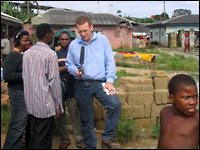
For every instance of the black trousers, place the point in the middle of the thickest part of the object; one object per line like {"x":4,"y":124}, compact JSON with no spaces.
{"x":39,"y":133}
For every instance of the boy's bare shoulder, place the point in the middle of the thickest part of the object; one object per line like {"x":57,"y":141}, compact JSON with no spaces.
{"x":166,"y":109}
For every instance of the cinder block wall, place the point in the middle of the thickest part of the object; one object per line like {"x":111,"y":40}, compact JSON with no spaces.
{"x":142,"y":99}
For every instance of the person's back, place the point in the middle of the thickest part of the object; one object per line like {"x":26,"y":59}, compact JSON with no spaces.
{"x":5,"y":45}
{"x":179,"y":124}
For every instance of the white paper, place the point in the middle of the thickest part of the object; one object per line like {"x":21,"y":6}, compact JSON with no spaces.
{"x":103,"y":84}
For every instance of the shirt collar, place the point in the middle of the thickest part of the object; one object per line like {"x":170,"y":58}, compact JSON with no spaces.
{"x":44,"y":44}
{"x":93,"y":38}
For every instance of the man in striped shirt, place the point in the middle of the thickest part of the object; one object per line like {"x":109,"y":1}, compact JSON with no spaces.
{"x":42,"y":89}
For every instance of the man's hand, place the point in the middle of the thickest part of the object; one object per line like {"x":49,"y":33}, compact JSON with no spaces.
{"x":111,"y":88}
{"x":58,"y":114}
{"x":79,"y":74}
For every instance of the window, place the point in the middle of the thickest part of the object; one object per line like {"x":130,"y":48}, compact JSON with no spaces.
{"x":98,"y":32}
{"x":151,"y":35}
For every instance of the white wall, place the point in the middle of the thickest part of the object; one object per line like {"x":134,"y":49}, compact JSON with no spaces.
{"x":159,"y":35}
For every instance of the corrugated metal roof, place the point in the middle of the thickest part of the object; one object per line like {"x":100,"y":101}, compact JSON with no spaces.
{"x":10,"y":18}
{"x":68,"y":17}
{"x":184,"y":19}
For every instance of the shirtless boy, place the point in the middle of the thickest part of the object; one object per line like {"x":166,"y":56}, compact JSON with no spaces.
{"x":179,"y":123}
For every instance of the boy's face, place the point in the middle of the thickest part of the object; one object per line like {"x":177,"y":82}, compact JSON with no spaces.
{"x":185,"y":100}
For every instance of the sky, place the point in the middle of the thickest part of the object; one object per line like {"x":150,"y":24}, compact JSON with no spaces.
{"x":137,"y":9}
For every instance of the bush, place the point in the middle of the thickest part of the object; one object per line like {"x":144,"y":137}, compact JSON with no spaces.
{"x":127,"y":130}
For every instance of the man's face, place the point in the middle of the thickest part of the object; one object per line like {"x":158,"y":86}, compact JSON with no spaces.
{"x":85,"y":31}
{"x":185,"y":100}
{"x":64,"y":40}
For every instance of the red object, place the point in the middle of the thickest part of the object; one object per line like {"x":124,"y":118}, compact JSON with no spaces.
{"x":186,"y":34}
{"x":128,"y":52}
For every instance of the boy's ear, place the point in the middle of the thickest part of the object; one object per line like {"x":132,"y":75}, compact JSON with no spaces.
{"x":171,"y":98}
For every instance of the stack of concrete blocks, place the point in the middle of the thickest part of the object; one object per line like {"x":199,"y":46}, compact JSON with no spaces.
{"x":142,"y":98}
{"x":139,"y":43}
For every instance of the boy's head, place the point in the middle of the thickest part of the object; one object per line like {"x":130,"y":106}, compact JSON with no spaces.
{"x":183,"y":93}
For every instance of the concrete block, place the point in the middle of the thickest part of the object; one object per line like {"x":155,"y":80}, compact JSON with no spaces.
{"x":155,"y":109}
{"x":146,"y":81}
{"x":130,"y":80}
{"x":138,"y":98}
{"x":138,"y":111}
{"x":144,"y":123}
{"x":161,"y":96}
{"x":104,"y":113}
{"x":147,"y":87}
{"x":131,"y":87}
{"x":97,"y":112}
{"x":147,"y":111}
{"x":158,"y":73}
{"x":160,"y":82}
{"x":122,"y":97}
{"x":126,"y":112}
{"x":100,"y":124}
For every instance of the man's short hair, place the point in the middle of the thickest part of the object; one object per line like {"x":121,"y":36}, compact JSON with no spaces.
{"x":83,"y":19}
{"x":42,"y":30}
{"x":64,"y":32}
{"x":180,"y":79}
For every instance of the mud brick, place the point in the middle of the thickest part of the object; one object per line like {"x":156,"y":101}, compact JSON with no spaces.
{"x":160,"y":83}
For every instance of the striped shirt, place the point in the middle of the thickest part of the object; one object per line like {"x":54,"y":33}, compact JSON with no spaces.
{"x":41,"y":78}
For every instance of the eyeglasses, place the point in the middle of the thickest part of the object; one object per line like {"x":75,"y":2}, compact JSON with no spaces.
{"x":64,"y":39}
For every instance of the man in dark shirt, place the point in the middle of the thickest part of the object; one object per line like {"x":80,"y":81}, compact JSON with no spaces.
{"x":67,"y":84}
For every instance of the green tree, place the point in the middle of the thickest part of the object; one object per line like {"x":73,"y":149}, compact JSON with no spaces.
{"x":178,"y":12}
{"x":119,"y":13}
{"x":10,"y":9}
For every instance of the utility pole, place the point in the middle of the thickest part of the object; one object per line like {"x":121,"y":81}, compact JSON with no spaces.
{"x":28,"y":9}
{"x":164,"y":11}
{"x":98,"y":6}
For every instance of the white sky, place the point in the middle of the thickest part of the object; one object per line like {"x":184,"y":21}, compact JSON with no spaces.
{"x":138,"y":9}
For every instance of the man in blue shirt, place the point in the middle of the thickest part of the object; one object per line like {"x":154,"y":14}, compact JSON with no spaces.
{"x":98,"y":67}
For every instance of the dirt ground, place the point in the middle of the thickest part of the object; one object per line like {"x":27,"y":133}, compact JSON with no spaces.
{"x":142,"y":143}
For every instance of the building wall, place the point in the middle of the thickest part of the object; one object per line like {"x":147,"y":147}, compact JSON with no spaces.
{"x":159,"y":35}
{"x":170,"y":29}
{"x":119,"y":37}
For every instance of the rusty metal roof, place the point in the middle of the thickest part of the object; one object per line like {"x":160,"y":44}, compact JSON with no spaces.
{"x":68,"y":17}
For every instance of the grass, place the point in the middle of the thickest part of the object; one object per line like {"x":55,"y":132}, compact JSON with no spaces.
{"x":5,"y":117}
{"x":166,"y":62}
{"x":155,"y":131}
{"x":122,"y":73}
{"x":127,"y":131}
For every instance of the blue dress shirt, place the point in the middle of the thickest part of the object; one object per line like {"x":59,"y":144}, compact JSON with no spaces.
{"x":99,"y":63}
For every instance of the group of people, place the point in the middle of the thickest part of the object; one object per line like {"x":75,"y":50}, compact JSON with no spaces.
{"x":41,"y":81}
